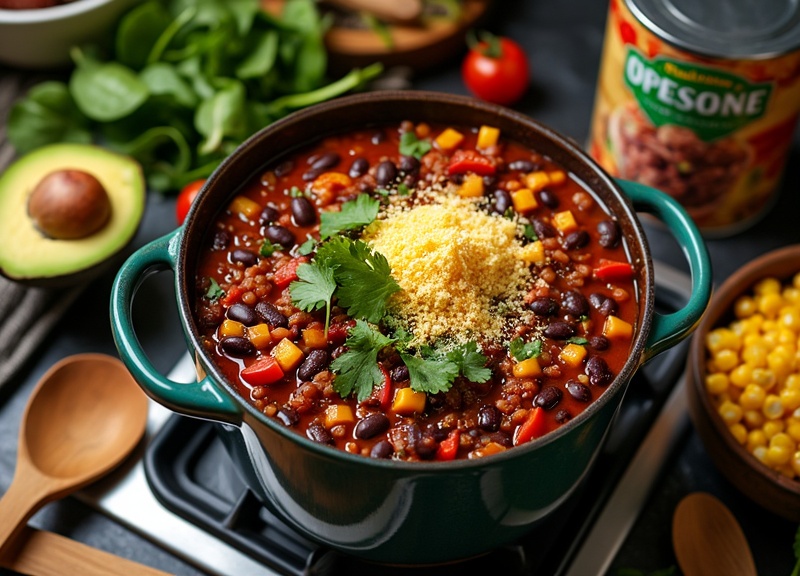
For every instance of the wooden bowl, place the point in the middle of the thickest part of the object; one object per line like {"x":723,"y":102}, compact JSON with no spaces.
{"x":422,"y":46}
{"x":765,"y":486}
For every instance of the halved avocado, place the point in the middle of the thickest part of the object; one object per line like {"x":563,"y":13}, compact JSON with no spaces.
{"x":29,"y":255}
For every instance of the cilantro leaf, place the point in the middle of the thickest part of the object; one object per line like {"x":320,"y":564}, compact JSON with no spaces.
{"x":357,"y":369}
{"x":353,"y":215}
{"x":314,"y":289}
{"x":214,"y":291}
{"x":430,"y":376}
{"x":578,"y":340}
{"x":522,"y":350}
{"x":268,"y":248}
{"x":410,"y":145}
{"x":364,"y":277}
{"x":471,"y":363}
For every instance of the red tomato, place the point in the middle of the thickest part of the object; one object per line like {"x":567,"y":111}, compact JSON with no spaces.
{"x":496,"y":70}
{"x":186,"y":197}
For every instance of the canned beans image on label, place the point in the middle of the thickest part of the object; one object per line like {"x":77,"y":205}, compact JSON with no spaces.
{"x":676,"y":110}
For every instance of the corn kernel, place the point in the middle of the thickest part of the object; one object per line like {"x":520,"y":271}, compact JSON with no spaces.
{"x":753,"y":418}
{"x":730,"y":412}
{"x":777,"y":456}
{"x":739,"y":432}
{"x":764,"y":378}
{"x":760,"y":452}
{"x":287,"y":354}
{"x":336,"y":414}
{"x":259,"y":335}
{"x":767,"y":285}
{"x":793,"y":429}
{"x":527,"y":368}
{"x":231,"y":328}
{"x":723,"y":339}
{"x":487,"y":137}
{"x":408,"y":401}
{"x":769,"y":304}
{"x":755,"y":354}
{"x":790,"y":318}
{"x":741,"y":376}
{"x":744,"y":307}
{"x":572,"y":354}
{"x":716,"y":383}
{"x":795,"y":462}
{"x":756,"y":438}
{"x":790,"y":397}
{"x":565,"y":222}
{"x":243,"y":205}
{"x":524,"y":200}
{"x":471,"y":187}
{"x":726,"y":360}
{"x":449,"y":139}
{"x":752,"y":397}
{"x":773,"y":407}
{"x":772,"y":427}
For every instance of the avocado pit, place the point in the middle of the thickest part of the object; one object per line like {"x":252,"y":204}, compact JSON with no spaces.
{"x":69,"y":204}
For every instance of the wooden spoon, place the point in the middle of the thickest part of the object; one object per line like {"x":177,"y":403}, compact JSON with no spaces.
{"x":84,"y":417}
{"x":708,"y":540}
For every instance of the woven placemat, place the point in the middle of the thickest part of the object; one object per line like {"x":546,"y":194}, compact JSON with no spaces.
{"x":27,"y":314}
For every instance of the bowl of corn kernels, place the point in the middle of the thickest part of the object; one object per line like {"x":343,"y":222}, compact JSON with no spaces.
{"x":744,"y":380}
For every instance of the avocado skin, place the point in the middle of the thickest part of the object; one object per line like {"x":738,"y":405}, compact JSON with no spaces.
{"x":29,"y":257}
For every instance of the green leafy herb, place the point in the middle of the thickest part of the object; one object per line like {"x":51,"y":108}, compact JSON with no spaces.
{"x":314,"y":289}
{"x":363,"y":277}
{"x":184,"y":83}
{"x":530,"y":233}
{"x":580,"y":340}
{"x":353,"y":215}
{"x":403,"y":189}
{"x":295,"y":192}
{"x":471,"y":363}
{"x":410,"y":145}
{"x":214,"y":292}
{"x":307,"y":247}
{"x":268,"y":248}
{"x":357,"y":369}
{"x":522,"y":350}
{"x":430,"y":376}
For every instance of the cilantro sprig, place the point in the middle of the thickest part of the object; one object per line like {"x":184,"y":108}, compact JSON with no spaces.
{"x":357,"y":369}
{"x":410,"y":145}
{"x":522,"y":350}
{"x":354,"y":214}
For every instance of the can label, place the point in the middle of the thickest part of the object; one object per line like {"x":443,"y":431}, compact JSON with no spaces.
{"x":713,"y":133}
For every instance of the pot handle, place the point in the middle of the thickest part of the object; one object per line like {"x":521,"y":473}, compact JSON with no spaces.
{"x":200,"y":399}
{"x":669,"y":329}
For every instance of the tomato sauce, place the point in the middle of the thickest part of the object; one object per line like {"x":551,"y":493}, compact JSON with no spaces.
{"x":500,"y":305}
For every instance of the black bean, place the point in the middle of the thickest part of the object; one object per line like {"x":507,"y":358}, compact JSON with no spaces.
{"x":237,"y":346}
{"x":314,"y":363}
{"x":283,"y":168}
{"x":242,"y":256}
{"x":502,"y":438}
{"x":426,"y":446}
{"x":359,"y":167}
{"x":385,"y":173}
{"x":280,"y":235}
{"x":318,"y":433}
{"x":598,"y":372}
{"x":543,"y":229}
{"x":548,"y":199}
{"x":221,"y":240}
{"x":575,"y":240}
{"x":242,"y":313}
{"x":502,"y":201}
{"x":523,"y":166}
{"x":303,"y":211}
{"x":400,"y":373}
{"x":270,"y":314}
{"x":575,"y":303}
{"x":548,"y":397}
{"x":269,"y":215}
{"x":599,"y":343}
{"x":372,"y":425}
{"x":288,"y":416}
{"x":544,"y":306}
{"x":609,"y":233}
{"x":382,"y":449}
{"x":579,"y":391}
{"x":603,"y":304}
{"x":562,"y":416}
{"x":558,"y":330}
{"x":325,"y":160}
{"x":408,"y":165}
{"x":489,"y":418}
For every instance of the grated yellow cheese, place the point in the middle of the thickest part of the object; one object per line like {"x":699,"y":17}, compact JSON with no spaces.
{"x":461,"y":270}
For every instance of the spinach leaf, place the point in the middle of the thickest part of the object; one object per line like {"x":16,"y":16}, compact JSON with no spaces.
{"x":106,"y":91}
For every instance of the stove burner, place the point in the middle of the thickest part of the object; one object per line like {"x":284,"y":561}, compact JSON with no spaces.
{"x":191,"y":474}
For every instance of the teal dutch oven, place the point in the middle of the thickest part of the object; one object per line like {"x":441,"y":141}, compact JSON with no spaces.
{"x":383,"y":510}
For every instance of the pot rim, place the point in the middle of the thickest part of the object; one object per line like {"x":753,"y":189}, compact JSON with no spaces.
{"x":645,"y":294}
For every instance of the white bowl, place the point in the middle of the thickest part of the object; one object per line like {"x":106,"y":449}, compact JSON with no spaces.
{"x":41,"y":38}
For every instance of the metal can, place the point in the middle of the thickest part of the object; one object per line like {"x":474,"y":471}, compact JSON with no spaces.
{"x":700,"y":99}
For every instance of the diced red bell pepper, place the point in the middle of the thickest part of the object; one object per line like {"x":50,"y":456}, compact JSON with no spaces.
{"x":262,"y":372}
{"x":448,"y":448}
{"x":533,"y":427}
{"x":464,"y":161}
{"x":287,"y":273}
{"x":386,"y":391}
{"x":232,"y":296}
{"x":613,"y":270}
